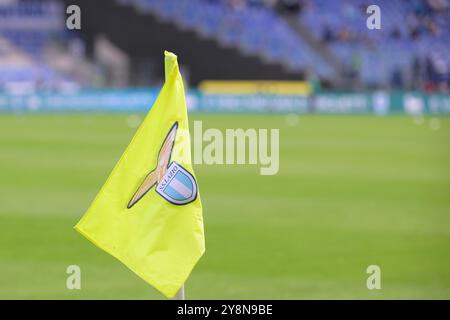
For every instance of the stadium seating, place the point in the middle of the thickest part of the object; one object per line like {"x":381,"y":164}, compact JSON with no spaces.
{"x":26,"y":29}
{"x":377,"y":54}
{"x":241,"y":27}
{"x":410,"y":50}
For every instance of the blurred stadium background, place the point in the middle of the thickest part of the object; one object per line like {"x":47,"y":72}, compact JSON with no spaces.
{"x":352,"y":190}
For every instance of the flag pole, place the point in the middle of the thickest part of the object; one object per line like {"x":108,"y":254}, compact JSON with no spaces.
{"x":180,"y":294}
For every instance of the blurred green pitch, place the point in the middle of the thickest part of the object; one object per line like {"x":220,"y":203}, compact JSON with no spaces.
{"x":352,"y":191}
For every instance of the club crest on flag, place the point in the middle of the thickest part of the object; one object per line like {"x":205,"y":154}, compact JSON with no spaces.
{"x":173,"y":182}
{"x":178,"y":185}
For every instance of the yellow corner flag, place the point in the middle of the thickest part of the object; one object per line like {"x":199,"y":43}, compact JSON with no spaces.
{"x":148,"y":214}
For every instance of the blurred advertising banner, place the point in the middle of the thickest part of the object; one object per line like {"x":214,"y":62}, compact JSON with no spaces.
{"x":141,"y":100}
{"x":255,"y":87}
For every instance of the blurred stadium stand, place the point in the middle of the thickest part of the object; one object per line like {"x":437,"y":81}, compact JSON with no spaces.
{"x":121,"y":43}
{"x":27,"y":31}
{"x":254,"y":30}
{"x":411,"y":49}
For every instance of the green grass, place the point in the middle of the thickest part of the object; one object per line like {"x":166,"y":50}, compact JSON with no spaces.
{"x":351,"y":192}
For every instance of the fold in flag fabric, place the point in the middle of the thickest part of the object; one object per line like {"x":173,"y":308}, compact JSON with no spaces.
{"x":148,"y":214}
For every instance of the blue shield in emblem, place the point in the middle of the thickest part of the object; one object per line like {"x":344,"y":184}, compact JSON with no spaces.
{"x":177,"y":186}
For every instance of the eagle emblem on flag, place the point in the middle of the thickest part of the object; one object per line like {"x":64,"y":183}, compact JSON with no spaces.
{"x":173,"y":182}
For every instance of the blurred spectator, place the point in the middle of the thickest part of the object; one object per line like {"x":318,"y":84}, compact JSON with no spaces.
{"x":397,"y":78}
{"x":291,"y":6}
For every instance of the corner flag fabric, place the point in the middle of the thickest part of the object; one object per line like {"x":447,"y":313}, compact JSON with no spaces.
{"x":148,"y":214}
